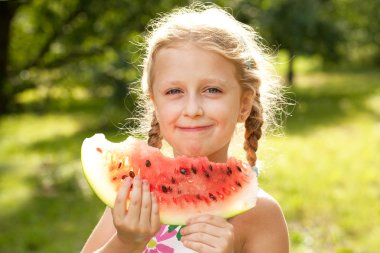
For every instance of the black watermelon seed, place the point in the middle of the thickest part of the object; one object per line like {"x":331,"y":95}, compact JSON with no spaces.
{"x":238,"y":183}
{"x":164,"y":189}
{"x":147,"y":163}
{"x":123,"y":176}
{"x":238,"y":168}
{"x":206,"y":174}
{"x":119,"y":165}
{"x":183,"y":171}
{"x":173,"y":180}
{"x":131,"y":174}
{"x":170,"y":189}
{"x":194,"y":170}
{"x":212,"y":197}
{"x":229,"y":171}
{"x":114,"y":178}
{"x":198,"y":196}
{"x":210,"y":167}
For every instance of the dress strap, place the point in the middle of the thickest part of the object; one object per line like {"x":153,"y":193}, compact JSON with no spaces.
{"x":256,"y":169}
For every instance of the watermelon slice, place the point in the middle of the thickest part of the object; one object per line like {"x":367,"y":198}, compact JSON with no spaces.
{"x":184,"y":186}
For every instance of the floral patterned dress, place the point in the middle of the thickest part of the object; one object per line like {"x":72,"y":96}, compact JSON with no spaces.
{"x":167,"y":240}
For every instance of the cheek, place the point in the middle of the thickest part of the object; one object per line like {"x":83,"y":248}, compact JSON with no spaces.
{"x":227,"y":111}
{"x":166,"y":112}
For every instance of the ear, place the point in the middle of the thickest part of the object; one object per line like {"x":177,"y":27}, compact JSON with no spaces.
{"x":245,"y":106}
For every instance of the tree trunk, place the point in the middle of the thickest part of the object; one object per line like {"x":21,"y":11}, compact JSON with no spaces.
{"x":7,"y":11}
{"x":291,"y":67}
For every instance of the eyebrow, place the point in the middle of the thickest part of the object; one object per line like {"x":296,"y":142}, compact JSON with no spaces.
{"x":206,"y":80}
{"x":203,"y":80}
{"x":214,"y":80}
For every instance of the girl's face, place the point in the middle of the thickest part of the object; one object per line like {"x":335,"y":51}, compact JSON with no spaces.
{"x":197,"y":99}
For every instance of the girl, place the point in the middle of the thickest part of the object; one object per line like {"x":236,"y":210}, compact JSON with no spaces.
{"x":204,"y":74}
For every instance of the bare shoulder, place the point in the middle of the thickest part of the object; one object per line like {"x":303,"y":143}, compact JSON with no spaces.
{"x":267,"y":209}
{"x":263,"y":228}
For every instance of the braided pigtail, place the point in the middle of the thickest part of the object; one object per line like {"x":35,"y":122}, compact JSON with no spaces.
{"x":154,"y":134}
{"x":253,"y":130}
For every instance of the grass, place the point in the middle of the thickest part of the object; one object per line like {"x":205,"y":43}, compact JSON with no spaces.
{"x":45,"y":203}
{"x":324,"y":169}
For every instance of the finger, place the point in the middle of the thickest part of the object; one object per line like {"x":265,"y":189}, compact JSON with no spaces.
{"x":134,"y":207}
{"x":209,"y":219}
{"x":155,"y":213}
{"x":203,"y":238}
{"x":146,"y":205}
{"x":119,"y":209}
{"x":198,"y":247}
{"x":202,"y":228}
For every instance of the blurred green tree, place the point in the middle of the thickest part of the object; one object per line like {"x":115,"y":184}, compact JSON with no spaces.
{"x":301,"y":27}
{"x":44,"y":44}
{"x":7,"y":12}
{"x":361,"y":21}
{"x":72,"y":42}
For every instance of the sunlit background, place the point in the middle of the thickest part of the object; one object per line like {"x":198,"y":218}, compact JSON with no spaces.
{"x":66,"y":68}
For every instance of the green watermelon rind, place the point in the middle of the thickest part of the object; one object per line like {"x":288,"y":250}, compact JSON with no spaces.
{"x":93,"y":164}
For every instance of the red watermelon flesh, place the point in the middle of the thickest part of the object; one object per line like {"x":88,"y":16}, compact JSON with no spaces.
{"x":184,"y":186}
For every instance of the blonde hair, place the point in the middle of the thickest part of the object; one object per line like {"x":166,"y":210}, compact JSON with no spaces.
{"x":212,"y":28}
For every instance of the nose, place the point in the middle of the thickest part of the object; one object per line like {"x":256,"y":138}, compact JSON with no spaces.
{"x":193,"y":107}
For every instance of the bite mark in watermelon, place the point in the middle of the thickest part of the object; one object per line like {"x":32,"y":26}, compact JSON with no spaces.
{"x":184,"y":186}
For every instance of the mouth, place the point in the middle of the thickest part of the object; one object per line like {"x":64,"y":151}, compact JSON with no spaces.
{"x":194,"y":128}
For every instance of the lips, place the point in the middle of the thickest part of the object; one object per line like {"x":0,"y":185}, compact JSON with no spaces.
{"x":194,"y":128}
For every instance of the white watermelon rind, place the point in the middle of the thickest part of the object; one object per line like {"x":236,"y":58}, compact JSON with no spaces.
{"x":94,"y":162}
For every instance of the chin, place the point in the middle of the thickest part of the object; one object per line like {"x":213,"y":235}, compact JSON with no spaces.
{"x":193,"y":150}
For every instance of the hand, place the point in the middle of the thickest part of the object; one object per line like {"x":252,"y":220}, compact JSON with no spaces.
{"x":141,"y":221}
{"x":208,"y":234}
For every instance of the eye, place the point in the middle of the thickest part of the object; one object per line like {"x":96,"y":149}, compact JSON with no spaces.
{"x":173,"y":92}
{"x":213,"y":90}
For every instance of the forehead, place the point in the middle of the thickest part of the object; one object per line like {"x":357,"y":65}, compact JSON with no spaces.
{"x":185,"y":61}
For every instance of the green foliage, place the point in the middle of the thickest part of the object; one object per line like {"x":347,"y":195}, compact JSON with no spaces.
{"x":360,"y":20}
{"x":339,"y":32}
{"x":301,"y":27}
{"x":92,"y":43}
{"x":85,"y":43}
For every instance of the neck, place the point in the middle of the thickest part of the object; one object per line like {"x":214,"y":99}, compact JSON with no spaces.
{"x":219,"y":156}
